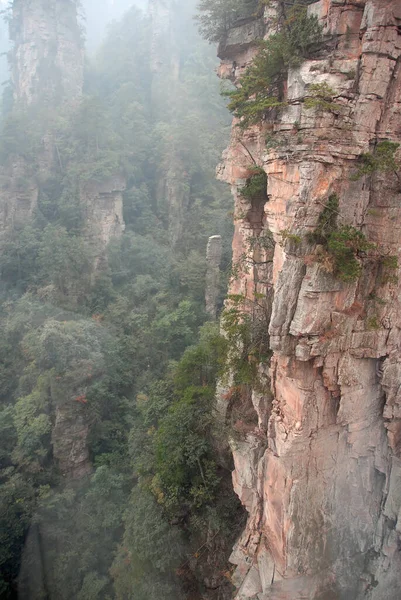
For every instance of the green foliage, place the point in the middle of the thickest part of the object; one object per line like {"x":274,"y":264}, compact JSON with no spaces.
{"x":20,"y":136}
{"x":255,"y":186}
{"x":86,"y":143}
{"x":327,"y":222}
{"x":287,"y":236}
{"x":183,"y":472}
{"x":78,"y":533}
{"x":388,"y":266}
{"x":171,"y":446}
{"x":199,"y":365}
{"x":216,"y":17}
{"x":261,"y":86}
{"x":320,"y":96}
{"x":343,"y":243}
{"x":382,"y":160}
{"x":389,"y":262}
{"x":17,"y":500}
{"x":373,"y":323}
{"x":119,"y":347}
{"x":65,"y":262}
{"x":33,"y":427}
{"x":245,"y":324}
{"x":18,"y":256}
{"x":52,"y":257}
{"x":175,"y":454}
{"x":143,"y":568}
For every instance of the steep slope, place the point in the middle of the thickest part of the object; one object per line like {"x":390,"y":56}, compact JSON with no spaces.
{"x":319,"y":465}
{"x":47,"y":62}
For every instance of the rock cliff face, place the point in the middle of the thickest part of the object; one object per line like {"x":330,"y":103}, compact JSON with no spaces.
{"x":47,"y":62}
{"x":319,"y":470}
{"x":164,"y":50}
{"x":46,"y":72}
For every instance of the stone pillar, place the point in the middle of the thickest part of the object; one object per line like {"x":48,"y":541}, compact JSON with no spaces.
{"x":47,"y":60}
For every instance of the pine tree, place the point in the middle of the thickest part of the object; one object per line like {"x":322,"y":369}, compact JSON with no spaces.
{"x":217,"y":16}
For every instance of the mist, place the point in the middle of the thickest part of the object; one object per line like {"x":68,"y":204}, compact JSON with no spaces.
{"x":97,"y":15}
{"x":109,"y":294}
{"x":100,"y":13}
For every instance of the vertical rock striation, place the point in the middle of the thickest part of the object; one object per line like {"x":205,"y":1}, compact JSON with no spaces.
{"x":47,"y":57}
{"x":320,"y":474}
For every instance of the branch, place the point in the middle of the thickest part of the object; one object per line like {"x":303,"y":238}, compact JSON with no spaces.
{"x":252,"y":159}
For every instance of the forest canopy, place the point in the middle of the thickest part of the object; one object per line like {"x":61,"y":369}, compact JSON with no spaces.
{"x":115,"y":342}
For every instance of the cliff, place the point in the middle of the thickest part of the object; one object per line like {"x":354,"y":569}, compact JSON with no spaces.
{"x":47,"y":56}
{"x":318,"y":465}
{"x":46,"y":64}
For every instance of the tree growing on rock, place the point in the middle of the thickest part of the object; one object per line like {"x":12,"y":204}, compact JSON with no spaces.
{"x":217,"y":16}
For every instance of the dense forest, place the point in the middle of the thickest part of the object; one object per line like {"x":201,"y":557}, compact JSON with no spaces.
{"x":113,"y":344}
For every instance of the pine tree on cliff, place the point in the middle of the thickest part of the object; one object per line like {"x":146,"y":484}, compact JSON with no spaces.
{"x":217,"y":16}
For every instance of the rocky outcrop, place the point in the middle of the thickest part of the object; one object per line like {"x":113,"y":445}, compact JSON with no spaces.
{"x":47,"y":57}
{"x":164,"y":50}
{"x":70,"y":441}
{"x":320,"y":473}
{"x":168,"y":21}
{"x":18,"y":195}
{"x":47,"y":63}
{"x":104,"y":219}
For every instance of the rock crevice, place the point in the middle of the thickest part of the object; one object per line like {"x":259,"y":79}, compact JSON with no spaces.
{"x":324,"y":496}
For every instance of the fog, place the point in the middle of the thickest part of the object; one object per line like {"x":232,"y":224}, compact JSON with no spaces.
{"x":108,"y":201}
{"x":97,"y":15}
{"x":100,"y":13}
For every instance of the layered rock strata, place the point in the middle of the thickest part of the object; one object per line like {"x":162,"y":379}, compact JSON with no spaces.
{"x":319,"y":471}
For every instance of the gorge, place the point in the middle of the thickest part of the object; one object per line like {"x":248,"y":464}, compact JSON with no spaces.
{"x":201,"y":402}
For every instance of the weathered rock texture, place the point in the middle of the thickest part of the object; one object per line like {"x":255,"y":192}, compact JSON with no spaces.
{"x":164,"y":49}
{"x":320,"y":472}
{"x":70,"y":441}
{"x":103,"y":202}
{"x":47,"y":61}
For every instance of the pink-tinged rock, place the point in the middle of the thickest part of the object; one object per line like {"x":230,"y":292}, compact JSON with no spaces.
{"x":324,"y":497}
